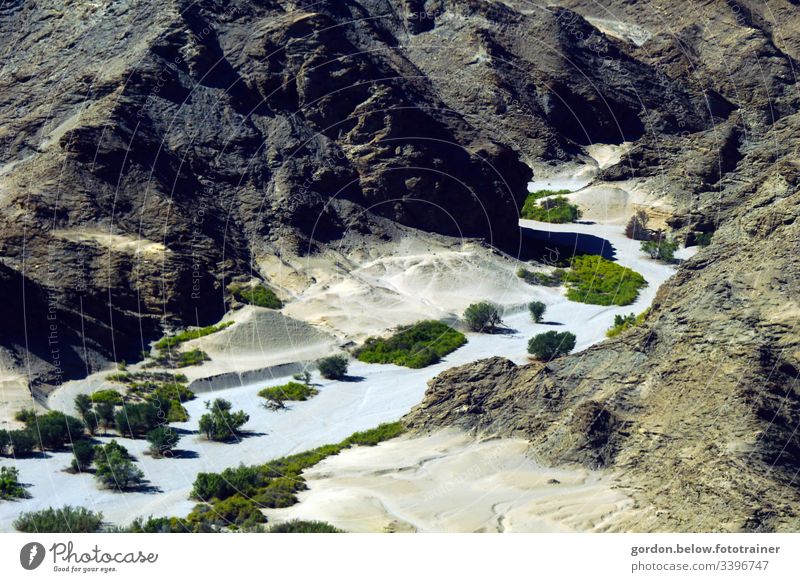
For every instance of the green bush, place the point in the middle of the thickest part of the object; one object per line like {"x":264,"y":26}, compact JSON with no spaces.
{"x":137,"y":419}
{"x":556,"y":210}
{"x":414,"y":346}
{"x":624,"y":322}
{"x":220,"y":424}
{"x":26,"y":415}
{"x":288,"y":391}
{"x":5,"y":442}
{"x":105,"y":414}
{"x":115,"y":469}
{"x":532,"y":200}
{"x":85,"y":410}
{"x":257,"y":295}
{"x":661,"y":249}
{"x":162,"y":439}
{"x":551,"y":344}
{"x":235,"y":511}
{"x":190,"y":334}
{"x":302,"y":526}
{"x":159,"y":525}
{"x":536,"y":309}
{"x":10,"y":487}
{"x":22,"y":442}
{"x":553,"y":279}
{"x":55,"y":429}
{"x":107,"y":396}
{"x":373,"y":436}
{"x":82,"y":455}
{"x":595,"y":280}
{"x":275,"y":483}
{"x":637,"y":226}
{"x":67,"y":519}
{"x":333,"y":367}
{"x":483,"y":317}
{"x":193,"y":357}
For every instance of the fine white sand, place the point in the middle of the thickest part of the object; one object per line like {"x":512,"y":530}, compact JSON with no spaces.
{"x":452,"y":482}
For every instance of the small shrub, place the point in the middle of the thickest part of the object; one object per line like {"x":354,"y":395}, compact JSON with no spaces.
{"x":373,"y":436}
{"x":5,"y":442}
{"x":190,"y":334}
{"x":105,"y":414}
{"x":162,"y":439}
{"x":551,"y":344}
{"x":302,"y":526}
{"x":115,"y":469}
{"x":661,"y":249}
{"x":193,"y":357}
{"x":235,"y":511}
{"x":26,"y":415}
{"x":258,"y":295}
{"x":22,"y":442}
{"x":159,"y":525}
{"x":137,"y":419}
{"x":536,"y":309}
{"x":557,"y":210}
{"x":636,"y":228}
{"x":288,"y":391}
{"x":598,"y":281}
{"x":624,"y":322}
{"x":333,"y":367}
{"x":304,"y":377}
{"x":414,"y":346}
{"x":82,"y":455}
{"x":67,"y":519}
{"x":55,"y":429}
{"x":10,"y":487}
{"x":107,"y":396}
{"x":532,"y":200}
{"x":553,"y":279}
{"x":220,"y":424}
{"x":483,"y":317}
{"x":85,"y":410}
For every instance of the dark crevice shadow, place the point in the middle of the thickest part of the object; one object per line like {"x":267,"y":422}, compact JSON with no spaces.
{"x":349,"y":378}
{"x":565,"y":244}
{"x":502,"y":331}
{"x":181,"y":454}
{"x":550,"y":323}
{"x":143,"y":488}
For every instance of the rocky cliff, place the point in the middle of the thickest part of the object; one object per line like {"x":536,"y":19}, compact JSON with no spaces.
{"x":151,"y":151}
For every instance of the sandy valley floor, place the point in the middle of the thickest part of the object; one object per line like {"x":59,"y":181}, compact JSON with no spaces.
{"x":488,"y":485}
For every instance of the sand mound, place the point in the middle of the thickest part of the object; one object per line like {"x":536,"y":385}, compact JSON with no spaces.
{"x":405,"y":285}
{"x":260,"y":338}
{"x":605,"y":204}
{"x":451,"y":482}
{"x":14,"y":396}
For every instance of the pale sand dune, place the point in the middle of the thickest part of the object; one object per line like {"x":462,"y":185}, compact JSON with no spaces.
{"x":260,"y":338}
{"x":14,"y":396}
{"x":452,"y":482}
{"x":397,"y":285}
